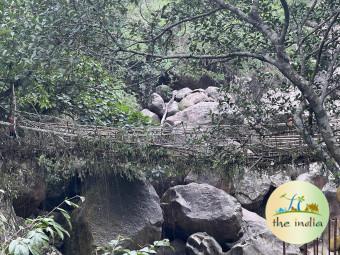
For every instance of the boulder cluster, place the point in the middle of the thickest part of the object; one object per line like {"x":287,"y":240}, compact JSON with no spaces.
{"x":185,"y":106}
{"x":205,"y":213}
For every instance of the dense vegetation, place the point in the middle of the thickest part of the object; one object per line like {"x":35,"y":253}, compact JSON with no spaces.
{"x":91,"y":59}
{"x":98,"y":61}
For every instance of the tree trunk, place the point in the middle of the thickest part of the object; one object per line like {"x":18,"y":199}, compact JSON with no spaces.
{"x":317,"y":107}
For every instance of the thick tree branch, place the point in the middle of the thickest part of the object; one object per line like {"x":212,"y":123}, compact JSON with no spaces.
{"x":308,"y":138}
{"x":316,"y":106}
{"x":283,"y":64}
{"x":254,"y":20}
{"x":198,"y":57}
{"x":286,"y":22}
{"x":171,"y":26}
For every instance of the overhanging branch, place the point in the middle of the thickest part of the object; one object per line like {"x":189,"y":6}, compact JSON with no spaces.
{"x":308,"y":138}
{"x":171,"y":26}
{"x":242,"y":54}
{"x":254,"y":20}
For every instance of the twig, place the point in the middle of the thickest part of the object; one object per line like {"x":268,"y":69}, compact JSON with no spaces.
{"x":257,"y":161}
{"x":167,"y":109}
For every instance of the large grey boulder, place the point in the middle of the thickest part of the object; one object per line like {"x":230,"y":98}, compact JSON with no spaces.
{"x":115,"y":207}
{"x":203,"y":244}
{"x":198,"y":114}
{"x":153,"y":116}
{"x":193,"y":99}
{"x":156,"y":104}
{"x":258,"y":239}
{"x":250,"y":188}
{"x":193,"y":208}
{"x":182,"y":93}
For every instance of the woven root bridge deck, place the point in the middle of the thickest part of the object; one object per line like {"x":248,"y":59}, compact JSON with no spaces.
{"x":45,"y":136}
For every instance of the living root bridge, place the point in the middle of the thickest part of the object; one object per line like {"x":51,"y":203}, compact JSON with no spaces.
{"x":60,"y":137}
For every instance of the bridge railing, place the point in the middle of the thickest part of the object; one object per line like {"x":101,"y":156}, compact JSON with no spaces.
{"x":328,"y":243}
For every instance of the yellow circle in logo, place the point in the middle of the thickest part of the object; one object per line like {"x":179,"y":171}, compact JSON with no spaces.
{"x":297,"y":212}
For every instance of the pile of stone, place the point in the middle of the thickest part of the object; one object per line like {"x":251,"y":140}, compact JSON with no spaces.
{"x":207,"y":213}
{"x":186,"y":106}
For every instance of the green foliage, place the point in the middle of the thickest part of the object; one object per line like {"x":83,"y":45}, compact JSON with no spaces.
{"x":51,"y":74}
{"x":88,"y":72}
{"x":37,"y":235}
{"x":115,"y":247}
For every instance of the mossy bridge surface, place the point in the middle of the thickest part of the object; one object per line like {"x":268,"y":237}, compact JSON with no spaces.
{"x":53,"y":135}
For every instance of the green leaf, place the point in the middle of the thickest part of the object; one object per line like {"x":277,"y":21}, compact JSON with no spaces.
{"x":34,"y":250}
{"x":60,"y":233}
{"x":50,"y":231}
{"x":71,"y":203}
{"x":18,"y":247}
{"x":82,"y":199}
{"x":162,"y":243}
{"x":66,"y":216}
{"x":37,"y":238}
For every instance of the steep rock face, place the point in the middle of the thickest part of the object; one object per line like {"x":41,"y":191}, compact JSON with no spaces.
{"x":193,"y":99}
{"x":28,"y":182}
{"x":203,"y":244}
{"x":198,"y":114}
{"x":30,"y":198}
{"x":193,"y":208}
{"x":183,"y":81}
{"x":258,"y":239}
{"x":212,"y":178}
{"x":113,"y":207}
{"x":251,"y":190}
{"x":7,"y":212}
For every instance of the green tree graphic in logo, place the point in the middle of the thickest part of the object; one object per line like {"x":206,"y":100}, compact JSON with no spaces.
{"x":312,"y":208}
